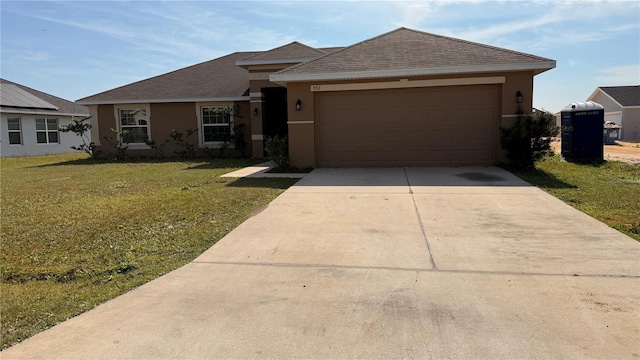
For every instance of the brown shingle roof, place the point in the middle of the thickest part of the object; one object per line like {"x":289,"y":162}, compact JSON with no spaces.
{"x":294,"y":50}
{"x":625,"y":95}
{"x":415,"y":53}
{"x":329,"y":50}
{"x":215,"y":79}
{"x":64,"y":106}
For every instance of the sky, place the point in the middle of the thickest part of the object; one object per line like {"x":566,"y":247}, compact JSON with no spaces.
{"x":73,"y":49}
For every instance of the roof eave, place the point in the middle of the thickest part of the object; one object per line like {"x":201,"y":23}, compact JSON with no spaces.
{"x":39,"y":112}
{"x":537,"y":67}
{"x":144,"y":101}
{"x":600,"y":90}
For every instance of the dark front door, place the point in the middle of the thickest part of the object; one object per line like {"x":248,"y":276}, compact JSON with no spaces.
{"x":274,"y":121}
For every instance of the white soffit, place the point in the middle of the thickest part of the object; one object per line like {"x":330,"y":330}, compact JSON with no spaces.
{"x":537,"y":67}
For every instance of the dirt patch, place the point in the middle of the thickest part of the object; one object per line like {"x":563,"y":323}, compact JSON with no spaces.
{"x":624,"y":151}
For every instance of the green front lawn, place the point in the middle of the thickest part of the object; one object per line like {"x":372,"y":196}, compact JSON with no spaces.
{"x":609,"y":192}
{"x":76,"y":232}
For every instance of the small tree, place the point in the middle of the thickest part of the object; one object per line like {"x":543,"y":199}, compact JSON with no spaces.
{"x":528,"y":139}
{"x":81,"y":128}
{"x":117,"y":144}
{"x":157,"y":147}
{"x":182,"y":141}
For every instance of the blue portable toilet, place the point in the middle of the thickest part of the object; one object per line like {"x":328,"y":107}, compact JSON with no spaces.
{"x":582,"y":126}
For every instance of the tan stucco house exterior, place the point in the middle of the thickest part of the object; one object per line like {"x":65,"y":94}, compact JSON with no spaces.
{"x":404,"y":98}
{"x":622,"y":106}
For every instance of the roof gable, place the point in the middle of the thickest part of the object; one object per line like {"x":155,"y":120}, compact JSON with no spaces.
{"x":19,"y":98}
{"x":405,"y":52}
{"x":623,"y":95}
{"x":217,"y":79}
{"x":291,"y":53}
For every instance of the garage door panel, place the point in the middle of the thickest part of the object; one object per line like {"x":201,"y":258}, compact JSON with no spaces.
{"x":482,"y":156}
{"x":478,"y":138}
{"x":408,"y":127}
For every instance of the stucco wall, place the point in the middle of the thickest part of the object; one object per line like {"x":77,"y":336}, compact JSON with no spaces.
{"x":30,"y":146}
{"x":106,"y":120}
{"x":163,"y":119}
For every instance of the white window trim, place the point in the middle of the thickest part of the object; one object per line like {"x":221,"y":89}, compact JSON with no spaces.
{"x":116,"y":114}
{"x":12,"y":131}
{"x":213,"y":144}
{"x":46,"y":131}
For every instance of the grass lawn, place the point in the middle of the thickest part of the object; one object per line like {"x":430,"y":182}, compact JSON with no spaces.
{"x":609,"y":192}
{"x":76,"y":232}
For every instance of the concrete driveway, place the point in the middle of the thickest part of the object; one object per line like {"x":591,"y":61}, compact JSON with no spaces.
{"x":383,"y":263}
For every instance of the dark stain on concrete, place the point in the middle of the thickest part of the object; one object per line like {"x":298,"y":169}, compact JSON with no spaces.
{"x":480,"y":177}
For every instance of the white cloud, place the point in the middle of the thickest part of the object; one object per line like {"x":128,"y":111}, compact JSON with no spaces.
{"x":544,"y":25}
{"x":11,"y":56}
{"x":412,"y":13}
{"x":619,"y":75}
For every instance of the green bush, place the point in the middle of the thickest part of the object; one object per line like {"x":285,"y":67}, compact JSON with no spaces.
{"x":278,"y":150}
{"x":528,"y":139}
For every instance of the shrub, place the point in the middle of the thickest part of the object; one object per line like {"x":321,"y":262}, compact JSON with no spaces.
{"x":528,"y":139}
{"x":187,"y":148}
{"x":116,"y":142}
{"x":278,"y":150}
{"x":239,"y":141}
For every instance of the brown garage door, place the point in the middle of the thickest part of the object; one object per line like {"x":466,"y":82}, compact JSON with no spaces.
{"x":436,"y":126}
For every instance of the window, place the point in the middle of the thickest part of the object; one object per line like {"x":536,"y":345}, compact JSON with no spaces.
{"x":216,"y":125}
{"x":47,"y":131}
{"x":134,"y":125}
{"x":15,"y":133}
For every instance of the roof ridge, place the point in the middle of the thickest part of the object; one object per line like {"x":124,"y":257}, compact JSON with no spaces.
{"x":336,"y":52}
{"x":415,"y":31}
{"x":283,"y":46}
{"x":438,"y":51}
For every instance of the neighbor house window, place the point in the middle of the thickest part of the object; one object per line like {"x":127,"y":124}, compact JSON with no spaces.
{"x":216,"y":125}
{"x":47,"y":131}
{"x":134,"y":125}
{"x":15,"y":132}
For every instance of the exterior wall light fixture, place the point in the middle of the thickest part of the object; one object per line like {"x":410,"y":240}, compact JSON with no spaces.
{"x":519,"y":97}
{"x":255,"y":112}
{"x":299,"y":105}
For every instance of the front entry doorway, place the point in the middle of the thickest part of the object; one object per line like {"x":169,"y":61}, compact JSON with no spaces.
{"x":274,"y":121}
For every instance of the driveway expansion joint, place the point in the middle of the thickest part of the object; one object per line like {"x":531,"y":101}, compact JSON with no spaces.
{"x":415,"y":206}
{"x":416,"y":270}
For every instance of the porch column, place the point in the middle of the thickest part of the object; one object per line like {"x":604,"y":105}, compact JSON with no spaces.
{"x":257,"y":137}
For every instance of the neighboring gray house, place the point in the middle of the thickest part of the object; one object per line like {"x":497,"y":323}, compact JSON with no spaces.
{"x":622,"y":106}
{"x":30,"y":119}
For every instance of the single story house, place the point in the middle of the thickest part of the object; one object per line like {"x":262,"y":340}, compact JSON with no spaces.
{"x":622,"y":106}
{"x":404,"y":98}
{"x":30,"y":119}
